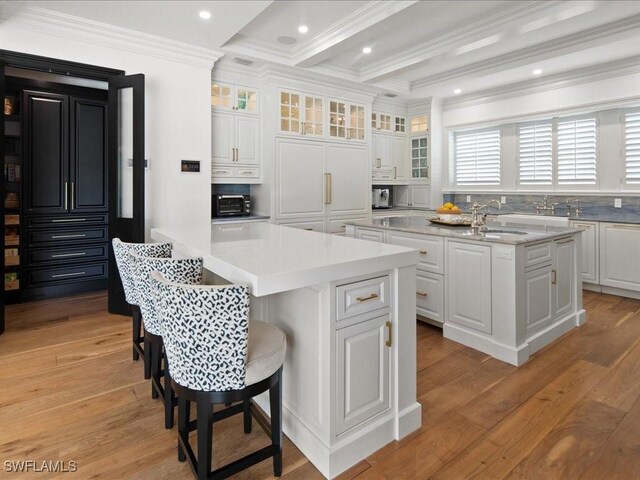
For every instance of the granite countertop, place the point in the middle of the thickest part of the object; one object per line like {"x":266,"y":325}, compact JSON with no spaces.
{"x":246,"y":218}
{"x":530,"y":233}
{"x":618,"y":216}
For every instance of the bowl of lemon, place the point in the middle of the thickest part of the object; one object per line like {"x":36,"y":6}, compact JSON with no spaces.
{"x":450,"y":214}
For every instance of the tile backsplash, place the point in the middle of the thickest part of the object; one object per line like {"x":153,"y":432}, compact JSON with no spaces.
{"x":589,"y":204}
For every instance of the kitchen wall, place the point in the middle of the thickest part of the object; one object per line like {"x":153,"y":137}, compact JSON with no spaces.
{"x":177,"y":120}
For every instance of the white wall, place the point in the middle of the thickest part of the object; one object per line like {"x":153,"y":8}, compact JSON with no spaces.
{"x":177,"y":105}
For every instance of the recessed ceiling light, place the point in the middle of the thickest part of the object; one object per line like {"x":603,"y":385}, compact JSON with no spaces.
{"x":457,"y":91}
{"x":204,"y":15}
{"x":303,"y":29}
{"x":366,"y":50}
{"x":537,"y":71}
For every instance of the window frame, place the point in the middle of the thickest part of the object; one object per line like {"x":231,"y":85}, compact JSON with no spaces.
{"x":479,"y":186}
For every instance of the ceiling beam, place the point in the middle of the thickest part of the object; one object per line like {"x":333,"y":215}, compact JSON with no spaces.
{"x":318,"y":48}
{"x":457,"y":38}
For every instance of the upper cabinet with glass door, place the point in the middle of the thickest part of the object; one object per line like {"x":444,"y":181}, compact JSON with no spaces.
{"x":419,"y":124}
{"x":420,"y":158}
{"x":346,"y":120}
{"x":301,"y":114}
{"x":225,"y":96}
{"x":388,"y":123}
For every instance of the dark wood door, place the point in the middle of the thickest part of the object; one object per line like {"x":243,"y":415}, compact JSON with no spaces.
{"x":126,"y":173}
{"x":46,"y":147}
{"x":88,"y":156}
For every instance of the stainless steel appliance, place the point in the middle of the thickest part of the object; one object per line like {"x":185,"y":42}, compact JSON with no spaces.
{"x":231,"y":205}
{"x":380,"y":198}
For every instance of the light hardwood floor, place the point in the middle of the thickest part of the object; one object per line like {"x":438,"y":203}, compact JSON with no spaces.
{"x":70,"y":391}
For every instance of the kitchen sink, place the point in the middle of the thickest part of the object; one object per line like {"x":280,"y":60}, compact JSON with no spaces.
{"x":534,"y":219}
{"x":503,"y":231}
{"x":496,"y":233}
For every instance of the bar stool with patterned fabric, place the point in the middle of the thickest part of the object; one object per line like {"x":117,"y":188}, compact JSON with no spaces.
{"x":121,"y":253}
{"x":218,"y":356}
{"x":179,"y":270}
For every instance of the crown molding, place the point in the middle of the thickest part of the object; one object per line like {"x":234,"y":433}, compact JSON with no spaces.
{"x":66,"y":26}
{"x":452,"y":39}
{"x":526,"y":55}
{"x":255,"y":49}
{"x":373,"y":12}
{"x":618,"y":68}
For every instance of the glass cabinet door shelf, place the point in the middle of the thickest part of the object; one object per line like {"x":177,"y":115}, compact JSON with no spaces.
{"x":225,"y":96}
{"x":356,"y":122}
{"x":313,"y":115}
{"x":419,"y":123}
{"x":290,"y":112}
{"x":222,"y":96}
{"x":419,"y":158}
{"x":246,"y":100}
{"x":400,"y":125}
{"x":337,"y":119}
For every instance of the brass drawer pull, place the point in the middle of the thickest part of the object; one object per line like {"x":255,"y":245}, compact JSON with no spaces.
{"x":61,"y":220}
{"x":62,"y":255}
{"x":423,"y":252}
{"x":422,"y":294}
{"x":373,"y":296}
{"x":389,"y":326}
{"x":554,"y":277}
{"x":79,"y":235}
{"x":74,"y":274}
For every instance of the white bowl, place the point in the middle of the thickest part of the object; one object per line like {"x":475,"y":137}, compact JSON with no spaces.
{"x":450,"y":217}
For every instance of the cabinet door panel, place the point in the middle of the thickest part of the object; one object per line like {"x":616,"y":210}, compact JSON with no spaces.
{"x":398,"y":158}
{"x":564,"y":278}
{"x":469,"y":285}
{"x":363,"y":372}
{"x":589,"y":251}
{"x":46,"y":149}
{"x":619,"y":265}
{"x":539,"y":299}
{"x":349,"y":189}
{"x":222,"y":139}
{"x":88,"y":156}
{"x":430,"y":296}
{"x":300,"y":178}
{"x":247,"y":139}
{"x":371,"y":235}
{"x":381,"y":152}
{"x":431,"y":249}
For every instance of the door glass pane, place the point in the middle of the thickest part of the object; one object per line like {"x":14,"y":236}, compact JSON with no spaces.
{"x":125,"y":153}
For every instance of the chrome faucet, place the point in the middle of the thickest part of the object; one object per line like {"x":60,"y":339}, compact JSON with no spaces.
{"x":577,"y":210}
{"x":545,"y":207}
{"x":479,"y":224}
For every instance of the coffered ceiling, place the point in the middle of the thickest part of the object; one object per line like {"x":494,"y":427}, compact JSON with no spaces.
{"x":418,"y":48}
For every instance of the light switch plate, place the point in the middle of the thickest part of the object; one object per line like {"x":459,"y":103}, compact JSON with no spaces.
{"x":503,"y":200}
{"x":468,"y":198}
{"x":617,"y":203}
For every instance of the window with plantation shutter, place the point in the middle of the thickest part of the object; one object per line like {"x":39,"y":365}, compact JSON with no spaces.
{"x":535,"y":154}
{"x":577,"y":151}
{"x":632,"y":147}
{"x":477,"y":158}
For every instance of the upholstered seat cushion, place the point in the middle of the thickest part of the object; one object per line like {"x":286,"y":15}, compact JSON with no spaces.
{"x":267,"y":348}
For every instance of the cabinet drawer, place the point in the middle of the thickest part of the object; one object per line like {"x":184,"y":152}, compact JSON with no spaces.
{"x":72,"y":254}
{"x":37,"y":238}
{"x":382,"y":175}
{"x":430,"y":296}
{"x":431,"y":249}
{"x":67,"y":274}
{"x":536,"y":255}
{"x":313,"y":225}
{"x":371,"y":235}
{"x":64,"y":220}
{"x":219,"y":171}
{"x":247,"y":172}
{"x":362,"y":297}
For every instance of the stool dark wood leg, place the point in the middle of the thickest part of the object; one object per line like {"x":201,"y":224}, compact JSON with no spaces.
{"x":155,"y":367}
{"x":205,"y":432}
{"x":135,"y":334}
{"x":246,"y":407}
{"x":169,"y":396}
{"x":147,"y":358}
{"x":275,"y":403}
{"x":183,"y":422}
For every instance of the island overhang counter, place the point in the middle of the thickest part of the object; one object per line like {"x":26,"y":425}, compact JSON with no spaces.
{"x":348,"y":310}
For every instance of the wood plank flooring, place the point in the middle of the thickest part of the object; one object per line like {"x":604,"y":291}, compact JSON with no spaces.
{"x":70,"y":391}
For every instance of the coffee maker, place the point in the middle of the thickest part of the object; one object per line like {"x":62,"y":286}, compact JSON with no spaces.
{"x":380,"y":198}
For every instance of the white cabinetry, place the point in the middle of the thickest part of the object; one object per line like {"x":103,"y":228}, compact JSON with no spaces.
{"x":619,"y":260}
{"x":346,"y":120}
{"x":225,"y":96}
{"x":589,"y":253}
{"x":412,"y":196}
{"x":301,"y":114}
{"x":370,"y":234}
{"x":235,"y":146}
{"x":430,"y":296}
{"x":318,"y":181}
{"x":539,"y":310}
{"x":563,"y":277}
{"x":469,"y":285}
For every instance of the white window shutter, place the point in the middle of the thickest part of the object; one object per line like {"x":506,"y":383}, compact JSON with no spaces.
{"x":477,"y":158}
{"x":632,"y":147}
{"x":577,"y":151}
{"x":535,"y":153}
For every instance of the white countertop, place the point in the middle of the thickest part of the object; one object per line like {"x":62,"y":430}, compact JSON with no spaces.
{"x":272,"y":258}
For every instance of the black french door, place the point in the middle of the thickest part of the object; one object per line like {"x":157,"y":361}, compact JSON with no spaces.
{"x":2,"y":195}
{"x":126,"y":173}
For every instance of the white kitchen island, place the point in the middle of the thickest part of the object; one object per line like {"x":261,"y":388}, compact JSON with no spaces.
{"x":348,"y":309}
